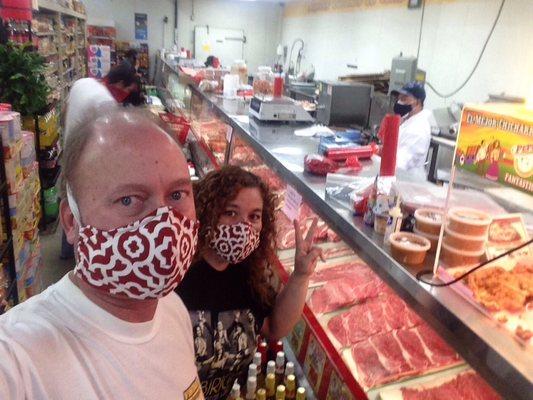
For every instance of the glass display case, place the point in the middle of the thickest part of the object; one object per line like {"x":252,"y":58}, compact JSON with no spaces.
{"x":371,"y":328}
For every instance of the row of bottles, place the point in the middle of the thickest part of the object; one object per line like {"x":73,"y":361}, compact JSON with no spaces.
{"x":272,"y":380}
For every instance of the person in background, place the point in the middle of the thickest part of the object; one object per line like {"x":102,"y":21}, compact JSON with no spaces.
{"x":121,"y":85}
{"x":415,"y":129}
{"x":130,"y":59}
{"x":229,"y":281}
{"x":137,"y":97}
{"x":113,"y":328}
{"x":89,"y":94}
{"x":213,"y":62}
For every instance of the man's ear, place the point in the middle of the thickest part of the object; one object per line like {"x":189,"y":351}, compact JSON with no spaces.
{"x":70,"y":226}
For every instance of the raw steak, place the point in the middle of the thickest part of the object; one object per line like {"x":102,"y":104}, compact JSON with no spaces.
{"x":380,"y":314}
{"x":354,"y":270}
{"x":343,"y":292}
{"x":339,"y":250}
{"x":391,"y":354}
{"x":438,"y":350}
{"x":399,"y":358}
{"x":369,"y":369}
{"x":410,"y":342}
{"x":285,"y":228}
{"x":358,"y":323}
{"x":465,"y":386}
{"x":285,"y":231}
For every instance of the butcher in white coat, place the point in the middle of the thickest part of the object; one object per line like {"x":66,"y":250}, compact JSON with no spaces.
{"x":415,"y":128}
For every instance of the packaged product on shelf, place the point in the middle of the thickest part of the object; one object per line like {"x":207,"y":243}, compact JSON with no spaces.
{"x":6,"y":129}
{"x":382,"y":197}
{"x":51,"y":203}
{"x":409,"y":248}
{"x":339,"y":139}
{"x":415,"y":195}
{"x":240,"y":69}
{"x":27,"y":154}
{"x":13,"y":168}
{"x":505,"y":233}
{"x":349,"y":192}
{"x":264,"y":81}
{"x":48,"y":126}
{"x":428,"y":223}
{"x":319,"y":165}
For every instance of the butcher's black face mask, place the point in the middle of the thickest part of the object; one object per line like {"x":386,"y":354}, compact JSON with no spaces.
{"x":402,"y":109}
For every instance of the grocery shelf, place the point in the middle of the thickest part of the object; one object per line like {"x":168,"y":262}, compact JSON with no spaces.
{"x":502,"y":361}
{"x":51,"y":33}
{"x":49,"y":54}
{"x":101,"y":37}
{"x":50,"y":5}
{"x":4,"y":247}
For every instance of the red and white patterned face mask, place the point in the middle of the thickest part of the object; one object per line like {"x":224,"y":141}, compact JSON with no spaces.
{"x":234,"y":242}
{"x":146,"y":259}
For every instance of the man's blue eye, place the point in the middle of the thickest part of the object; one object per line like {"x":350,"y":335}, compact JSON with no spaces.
{"x":176,"y":196}
{"x":126,"y":201}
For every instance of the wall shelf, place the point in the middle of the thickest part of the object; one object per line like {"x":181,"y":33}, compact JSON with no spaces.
{"x":48,"y":5}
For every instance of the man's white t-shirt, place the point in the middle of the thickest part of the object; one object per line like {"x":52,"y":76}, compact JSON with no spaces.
{"x":86,"y":96}
{"x":413,"y":142}
{"x":59,"y":345}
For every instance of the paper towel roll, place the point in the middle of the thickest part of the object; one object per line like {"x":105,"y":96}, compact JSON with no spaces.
{"x":231,"y":83}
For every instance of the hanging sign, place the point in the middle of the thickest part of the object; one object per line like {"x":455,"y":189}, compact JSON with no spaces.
{"x":98,"y":60}
{"x":141,"y":26}
{"x":496,"y":143}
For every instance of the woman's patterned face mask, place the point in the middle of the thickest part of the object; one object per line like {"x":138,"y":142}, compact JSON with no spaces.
{"x":234,"y":242}
{"x":146,"y":259}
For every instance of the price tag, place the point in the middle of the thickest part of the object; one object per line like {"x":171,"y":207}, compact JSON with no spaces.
{"x":293,"y":201}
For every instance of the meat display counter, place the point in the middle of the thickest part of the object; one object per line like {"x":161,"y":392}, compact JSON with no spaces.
{"x":370,"y":329}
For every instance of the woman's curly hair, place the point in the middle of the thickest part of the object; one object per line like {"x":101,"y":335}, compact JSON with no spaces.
{"x":212,"y":194}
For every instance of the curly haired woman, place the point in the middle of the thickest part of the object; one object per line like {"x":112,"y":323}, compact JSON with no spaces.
{"x":228,"y":280}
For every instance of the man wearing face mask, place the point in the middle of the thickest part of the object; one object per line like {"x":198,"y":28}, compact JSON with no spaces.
{"x":113,"y":328}
{"x":415,"y":129}
{"x":120,"y":86}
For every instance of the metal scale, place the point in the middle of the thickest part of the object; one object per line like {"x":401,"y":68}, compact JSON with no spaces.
{"x":283,"y":109}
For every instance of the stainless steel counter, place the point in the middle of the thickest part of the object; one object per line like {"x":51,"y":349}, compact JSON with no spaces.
{"x":503,"y":362}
